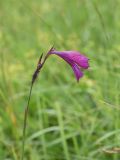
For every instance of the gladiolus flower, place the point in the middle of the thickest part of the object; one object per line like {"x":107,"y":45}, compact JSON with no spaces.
{"x":76,"y":60}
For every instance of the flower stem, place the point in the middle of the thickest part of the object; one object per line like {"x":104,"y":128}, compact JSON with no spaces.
{"x":25,"y":123}
{"x":34,"y":77}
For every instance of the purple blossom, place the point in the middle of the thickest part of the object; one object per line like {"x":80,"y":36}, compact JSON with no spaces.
{"x":76,"y":60}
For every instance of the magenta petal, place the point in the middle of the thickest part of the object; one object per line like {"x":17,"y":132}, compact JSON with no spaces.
{"x":77,"y":72}
{"x":74,"y":56}
{"x":80,"y":60}
{"x":74,"y":59}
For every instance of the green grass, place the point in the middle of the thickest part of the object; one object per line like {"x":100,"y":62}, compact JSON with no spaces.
{"x":67,"y":120}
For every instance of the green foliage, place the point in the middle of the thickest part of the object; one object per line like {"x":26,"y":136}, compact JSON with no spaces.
{"x":67,"y":120}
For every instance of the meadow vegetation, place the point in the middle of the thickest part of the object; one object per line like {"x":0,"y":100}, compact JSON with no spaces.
{"x":67,"y":120}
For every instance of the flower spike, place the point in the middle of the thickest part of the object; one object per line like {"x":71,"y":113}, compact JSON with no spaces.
{"x":76,"y":60}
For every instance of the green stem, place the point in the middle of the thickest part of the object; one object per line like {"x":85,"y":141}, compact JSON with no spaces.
{"x":25,"y":123}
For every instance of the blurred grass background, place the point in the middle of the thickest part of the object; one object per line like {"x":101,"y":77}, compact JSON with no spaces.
{"x":67,"y":120}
